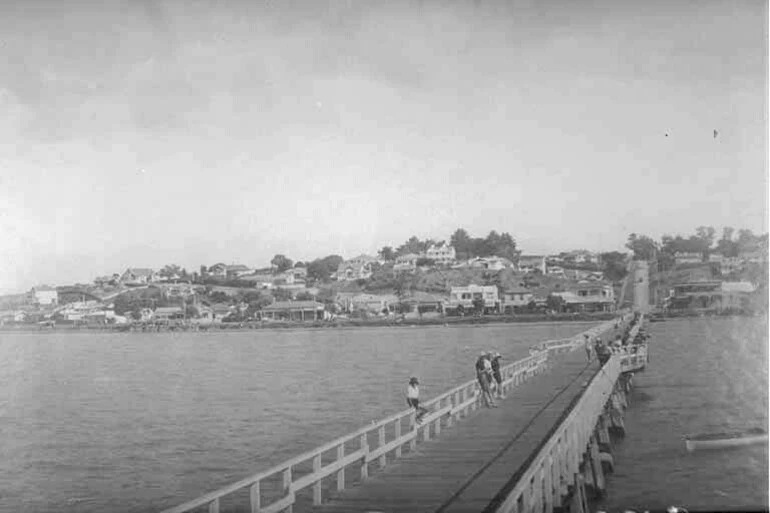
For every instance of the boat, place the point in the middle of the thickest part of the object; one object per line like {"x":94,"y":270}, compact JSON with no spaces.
{"x":726,"y":440}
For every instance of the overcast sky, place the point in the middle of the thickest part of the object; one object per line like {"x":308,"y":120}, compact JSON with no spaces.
{"x":141,"y":133}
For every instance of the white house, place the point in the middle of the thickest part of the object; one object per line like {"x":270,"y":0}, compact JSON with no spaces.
{"x":532,"y":263}
{"x":138,"y":276}
{"x":517,"y":297}
{"x":441,"y":253}
{"x":464,"y":296}
{"x":45,"y":295}
{"x":681,"y":257}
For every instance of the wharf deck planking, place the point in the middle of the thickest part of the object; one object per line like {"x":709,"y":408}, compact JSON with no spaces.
{"x":422,"y":481}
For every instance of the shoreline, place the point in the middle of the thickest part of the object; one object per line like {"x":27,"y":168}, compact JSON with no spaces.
{"x":446,"y":322}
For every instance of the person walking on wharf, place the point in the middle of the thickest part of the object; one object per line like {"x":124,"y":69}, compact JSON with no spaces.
{"x":483,"y":375}
{"x":588,"y":347}
{"x":413,"y":398}
{"x":497,"y":375}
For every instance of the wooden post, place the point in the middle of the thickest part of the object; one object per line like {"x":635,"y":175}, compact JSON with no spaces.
{"x":548,"y":485}
{"x":397,"y":429}
{"x":453,"y":403}
{"x":413,"y":427}
{"x":438,"y":421}
{"x":254,"y":498}
{"x":380,"y":443}
{"x":214,"y":506}
{"x":603,"y":435}
{"x":287,"y":486}
{"x":596,"y":468}
{"x":556,"y":480}
{"x":364,"y":464}
{"x":608,"y":465}
{"x":341,"y":472}
{"x":317,"y":484}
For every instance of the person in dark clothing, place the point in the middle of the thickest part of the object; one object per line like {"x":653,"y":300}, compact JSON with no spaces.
{"x":497,"y":375}
{"x":603,"y":353}
{"x":483,"y":375}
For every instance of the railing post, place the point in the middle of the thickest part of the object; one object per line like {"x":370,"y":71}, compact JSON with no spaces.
{"x":317,"y":484}
{"x":438,"y":420}
{"x":364,"y":463}
{"x":254,"y":498}
{"x":287,"y":486}
{"x":413,"y":427}
{"x":381,"y":442}
{"x":214,"y":506}
{"x":341,"y":472}
{"x":452,"y":399}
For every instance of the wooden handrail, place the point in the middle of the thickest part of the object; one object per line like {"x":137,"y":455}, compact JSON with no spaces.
{"x":566,"y":445}
{"x":448,"y":404}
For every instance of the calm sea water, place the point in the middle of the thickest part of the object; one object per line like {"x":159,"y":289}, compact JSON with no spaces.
{"x":705,"y":375}
{"x":140,"y":422}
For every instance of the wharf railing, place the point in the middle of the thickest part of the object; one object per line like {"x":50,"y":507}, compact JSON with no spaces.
{"x":370,"y":445}
{"x":545,"y":481}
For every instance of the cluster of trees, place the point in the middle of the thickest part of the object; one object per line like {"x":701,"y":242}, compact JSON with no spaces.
{"x":702,"y":241}
{"x":494,"y":244}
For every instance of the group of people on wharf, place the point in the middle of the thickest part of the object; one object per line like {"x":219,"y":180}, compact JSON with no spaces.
{"x":490,"y":378}
{"x":621,"y":343}
{"x":487,"y":373}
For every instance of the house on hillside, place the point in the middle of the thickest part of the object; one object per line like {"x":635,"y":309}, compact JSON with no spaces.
{"x":135,"y":276}
{"x":683,"y":257}
{"x":294,"y":311}
{"x":555,"y":270}
{"x":260,"y":280}
{"x":588,"y":297}
{"x":406,"y":262}
{"x":218,"y":270}
{"x":516,"y":298}
{"x":168,"y":313}
{"x":44,"y":295}
{"x":532,"y":263}
{"x":351,"y":271}
{"x":465,"y":296}
{"x":372,"y":303}
{"x":419,"y":304}
{"x":236,"y":271}
{"x":102,"y":281}
{"x":710,"y":295}
{"x":443,"y":254}
{"x":492,"y":263}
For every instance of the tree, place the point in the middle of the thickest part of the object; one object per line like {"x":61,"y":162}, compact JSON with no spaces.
{"x":614,"y":263}
{"x":170,"y":271}
{"x":705,"y":234}
{"x":555,"y":303}
{"x":423,"y":262}
{"x":321,"y":269}
{"x":305,"y":296}
{"x":644,"y":247}
{"x":478,"y":305}
{"x":726,"y":245}
{"x":414,"y":245}
{"x":191,"y":312}
{"x":282,"y":294}
{"x":299,"y":263}
{"x":461,"y":241}
{"x":387,"y":253}
{"x":281,"y":263}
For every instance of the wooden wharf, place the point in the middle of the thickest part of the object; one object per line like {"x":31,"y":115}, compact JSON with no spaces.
{"x":545,"y":448}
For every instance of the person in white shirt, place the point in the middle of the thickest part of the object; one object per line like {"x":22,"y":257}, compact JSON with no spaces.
{"x":413,"y":397}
